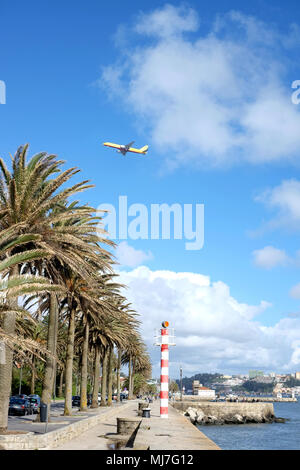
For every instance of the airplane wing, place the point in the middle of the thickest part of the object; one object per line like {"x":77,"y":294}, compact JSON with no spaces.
{"x":109,"y":144}
{"x":127,"y":147}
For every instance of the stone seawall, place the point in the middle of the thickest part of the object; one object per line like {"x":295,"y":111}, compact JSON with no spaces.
{"x":226,"y":412}
{"x":241,"y":399}
{"x":35,"y":441}
{"x":266,"y":399}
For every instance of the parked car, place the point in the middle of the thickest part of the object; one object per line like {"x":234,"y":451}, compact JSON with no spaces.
{"x":22,"y":395}
{"x":36,"y":397}
{"x":76,"y":400}
{"x":90,"y":399}
{"x":35,"y":404}
{"x":19,"y":406}
{"x":33,"y":395}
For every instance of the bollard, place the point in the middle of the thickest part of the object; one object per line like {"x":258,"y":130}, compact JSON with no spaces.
{"x":142,"y":405}
{"x":146,"y":413}
{"x":127,"y":425}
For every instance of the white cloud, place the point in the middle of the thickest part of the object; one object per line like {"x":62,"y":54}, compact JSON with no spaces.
{"x":220,"y":97}
{"x":128,"y":256}
{"x":214,"y":331}
{"x":167,"y":22}
{"x":285,"y":200}
{"x":269,"y":257}
{"x":295,"y":291}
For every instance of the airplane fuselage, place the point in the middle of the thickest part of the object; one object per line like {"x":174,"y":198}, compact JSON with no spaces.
{"x":127,"y":148}
{"x":122,"y":150}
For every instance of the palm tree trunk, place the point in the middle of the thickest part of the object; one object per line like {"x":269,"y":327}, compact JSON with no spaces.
{"x":50,"y":367}
{"x":118,"y":374}
{"x":84,"y":368}
{"x":91,"y":377}
{"x":109,"y":376}
{"x":96,"y":377}
{"x":54,"y":381}
{"x":61,"y":383}
{"x":104,"y":378}
{"x":32,"y":382}
{"x":69,"y":363}
{"x":132,"y":378}
{"x":8,"y":326}
{"x":129,"y":378}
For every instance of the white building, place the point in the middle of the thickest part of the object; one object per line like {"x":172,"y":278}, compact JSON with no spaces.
{"x":206,"y":393}
{"x":233,"y":382}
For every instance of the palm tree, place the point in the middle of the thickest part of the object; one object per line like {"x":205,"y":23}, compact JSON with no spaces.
{"x":137,"y":358}
{"x":103,"y":335}
{"x":117,"y":330}
{"x":104,"y":356}
{"x":29,"y":328}
{"x":128,"y":316}
{"x":56,"y":243}
{"x":119,"y":363}
{"x":13,"y":284}
{"x":96,"y":305}
{"x":110,"y":363}
{"x":96,"y":382}
{"x":30,"y":197}
{"x":84,"y":363}
{"x":86,"y":300}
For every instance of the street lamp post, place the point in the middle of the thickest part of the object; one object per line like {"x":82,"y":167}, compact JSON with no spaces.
{"x":180,"y":383}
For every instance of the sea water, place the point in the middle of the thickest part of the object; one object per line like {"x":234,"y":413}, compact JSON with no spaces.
{"x":264,"y":436}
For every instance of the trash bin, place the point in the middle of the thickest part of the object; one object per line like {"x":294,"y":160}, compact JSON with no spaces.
{"x":43,"y":412}
{"x":146,"y":413}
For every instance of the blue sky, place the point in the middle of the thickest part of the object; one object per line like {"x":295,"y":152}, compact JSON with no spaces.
{"x":208,"y":87}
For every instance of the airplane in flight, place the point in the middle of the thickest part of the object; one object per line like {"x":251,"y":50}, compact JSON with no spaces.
{"x":127,"y":148}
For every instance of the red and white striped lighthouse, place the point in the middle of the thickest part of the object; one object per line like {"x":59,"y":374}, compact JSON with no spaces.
{"x":163,"y":340}
{"x":164,"y":371}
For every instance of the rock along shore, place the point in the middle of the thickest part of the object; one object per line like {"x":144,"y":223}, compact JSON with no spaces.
{"x":227,"y":413}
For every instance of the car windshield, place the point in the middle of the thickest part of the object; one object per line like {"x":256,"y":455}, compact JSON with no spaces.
{"x":33,"y":400}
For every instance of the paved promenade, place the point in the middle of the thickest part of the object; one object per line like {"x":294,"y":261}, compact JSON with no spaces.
{"x":174,"y":433}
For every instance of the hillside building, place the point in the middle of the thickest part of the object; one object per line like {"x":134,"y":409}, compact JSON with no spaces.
{"x":204,"y":392}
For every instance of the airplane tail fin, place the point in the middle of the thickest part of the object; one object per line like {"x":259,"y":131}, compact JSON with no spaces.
{"x":144,"y":149}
